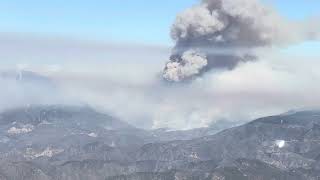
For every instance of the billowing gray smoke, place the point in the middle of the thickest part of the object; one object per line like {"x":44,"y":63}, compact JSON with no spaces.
{"x":219,"y":34}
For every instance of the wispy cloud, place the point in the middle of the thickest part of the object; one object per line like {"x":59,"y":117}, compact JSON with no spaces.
{"x":32,"y":49}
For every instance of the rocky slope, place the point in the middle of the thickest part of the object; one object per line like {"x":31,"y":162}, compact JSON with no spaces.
{"x":78,"y":143}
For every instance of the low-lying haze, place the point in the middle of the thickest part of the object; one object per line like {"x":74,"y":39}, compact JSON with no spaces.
{"x":128,"y":81}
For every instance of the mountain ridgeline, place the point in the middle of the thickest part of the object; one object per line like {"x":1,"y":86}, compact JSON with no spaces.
{"x":78,"y":143}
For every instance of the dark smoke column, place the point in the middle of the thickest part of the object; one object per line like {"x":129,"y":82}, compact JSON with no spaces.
{"x":220,"y":34}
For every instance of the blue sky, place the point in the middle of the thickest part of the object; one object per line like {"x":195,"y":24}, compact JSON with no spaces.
{"x":138,"y":21}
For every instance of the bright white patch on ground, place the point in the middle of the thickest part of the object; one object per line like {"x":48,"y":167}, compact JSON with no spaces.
{"x":22,"y":130}
{"x":48,"y":152}
{"x":280,"y":143}
{"x":45,"y":123}
{"x":93,"y":135}
{"x":113,"y":144}
{"x":194,"y":155}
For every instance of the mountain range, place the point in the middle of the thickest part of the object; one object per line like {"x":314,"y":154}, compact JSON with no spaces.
{"x":49,"y":142}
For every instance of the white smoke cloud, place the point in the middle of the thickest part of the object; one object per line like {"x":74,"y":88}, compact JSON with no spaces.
{"x":232,"y":24}
{"x":191,"y":64}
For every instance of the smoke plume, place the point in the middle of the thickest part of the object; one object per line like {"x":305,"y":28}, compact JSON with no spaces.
{"x":220,"y":34}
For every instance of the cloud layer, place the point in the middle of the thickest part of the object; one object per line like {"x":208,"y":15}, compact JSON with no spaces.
{"x":134,"y":91}
{"x":126,"y":80}
{"x":275,"y":84}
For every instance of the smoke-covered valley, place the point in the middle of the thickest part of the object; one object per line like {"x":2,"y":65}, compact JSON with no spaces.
{"x":136,"y":92}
